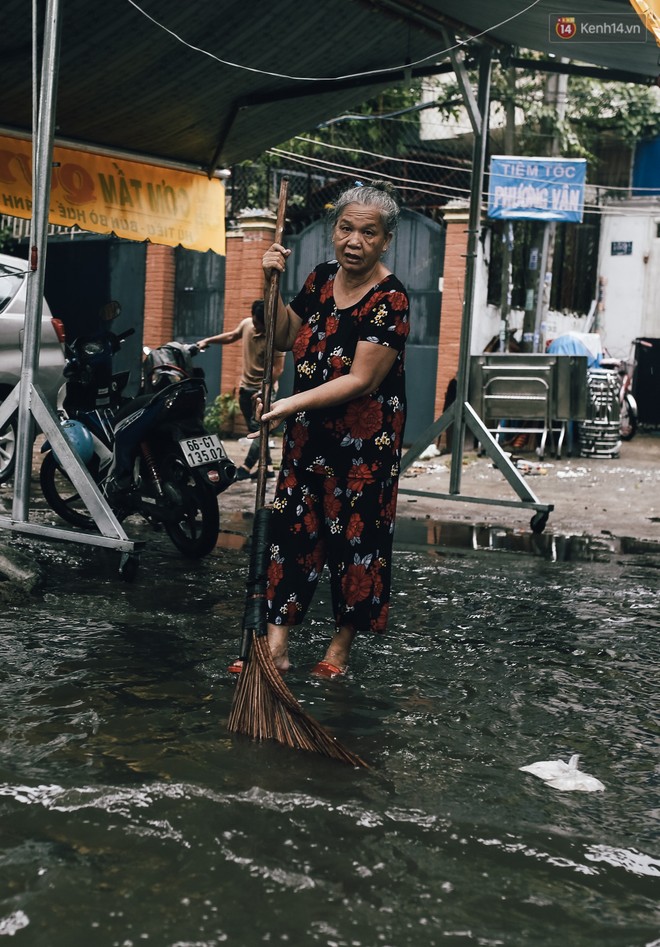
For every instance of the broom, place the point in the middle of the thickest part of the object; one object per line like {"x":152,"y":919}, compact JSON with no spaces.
{"x":263,"y":707}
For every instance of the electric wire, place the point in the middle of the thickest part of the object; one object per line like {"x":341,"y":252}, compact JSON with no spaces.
{"x":454,"y":191}
{"x":354,"y":75}
{"x":374,"y":154}
{"x":351,"y":170}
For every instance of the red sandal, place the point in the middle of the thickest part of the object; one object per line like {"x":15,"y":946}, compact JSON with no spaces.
{"x":326,"y":669}
{"x":236,"y":667}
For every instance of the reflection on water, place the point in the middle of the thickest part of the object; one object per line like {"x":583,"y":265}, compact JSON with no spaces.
{"x":129,"y":815}
{"x":556,"y":547}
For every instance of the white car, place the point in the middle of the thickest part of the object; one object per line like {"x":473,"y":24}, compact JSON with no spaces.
{"x":13,"y":286}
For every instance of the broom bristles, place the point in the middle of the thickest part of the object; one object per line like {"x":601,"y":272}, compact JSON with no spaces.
{"x":265,"y":709}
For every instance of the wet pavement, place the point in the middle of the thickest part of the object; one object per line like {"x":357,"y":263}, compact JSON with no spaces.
{"x":612,"y":500}
{"x":593,"y":496}
{"x":602,"y":506}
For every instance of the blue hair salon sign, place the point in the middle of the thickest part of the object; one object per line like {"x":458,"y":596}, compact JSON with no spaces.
{"x":536,"y":188}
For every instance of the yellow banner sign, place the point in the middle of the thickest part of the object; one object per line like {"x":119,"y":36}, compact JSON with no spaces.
{"x":113,"y":195}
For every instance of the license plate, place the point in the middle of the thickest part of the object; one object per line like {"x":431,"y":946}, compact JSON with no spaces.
{"x":202,"y":450}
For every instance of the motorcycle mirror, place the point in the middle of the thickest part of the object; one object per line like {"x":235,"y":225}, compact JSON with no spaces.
{"x":110,"y":311}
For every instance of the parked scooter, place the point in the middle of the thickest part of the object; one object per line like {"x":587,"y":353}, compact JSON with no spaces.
{"x":150,"y":455}
{"x":627,"y":405}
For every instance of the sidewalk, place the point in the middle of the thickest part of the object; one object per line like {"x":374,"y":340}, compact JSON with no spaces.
{"x":591,"y":495}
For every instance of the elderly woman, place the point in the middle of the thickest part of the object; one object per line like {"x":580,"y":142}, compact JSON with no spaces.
{"x":335,"y":498}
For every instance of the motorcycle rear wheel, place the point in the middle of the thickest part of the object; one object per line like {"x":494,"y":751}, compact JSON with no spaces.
{"x":627,"y":420}
{"x":61,"y":495}
{"x":195,"y":532}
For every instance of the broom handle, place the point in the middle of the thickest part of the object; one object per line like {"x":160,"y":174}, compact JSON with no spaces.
{"x":253,"y":617}
{"x":269,"y":355}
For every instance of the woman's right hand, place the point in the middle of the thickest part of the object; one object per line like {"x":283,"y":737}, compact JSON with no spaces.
{"x":274,"y":258}
{"x":279,"y":411}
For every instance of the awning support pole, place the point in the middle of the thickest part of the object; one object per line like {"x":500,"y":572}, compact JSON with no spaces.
{"x":26,"y":399}
{"x":43,"y":128}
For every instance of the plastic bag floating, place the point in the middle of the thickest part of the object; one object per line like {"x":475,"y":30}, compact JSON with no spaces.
{"x":564,"y":776}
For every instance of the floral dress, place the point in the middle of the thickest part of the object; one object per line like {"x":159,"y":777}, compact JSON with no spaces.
{"x":335,"y":499}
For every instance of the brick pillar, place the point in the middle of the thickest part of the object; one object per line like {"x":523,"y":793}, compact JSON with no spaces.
{"x":159,"y":295}
{"x":244,"y":282}
{"x":453,"y":293}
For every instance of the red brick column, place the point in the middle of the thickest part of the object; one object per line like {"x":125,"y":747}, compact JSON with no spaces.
{"x":453,"y":293}
{"x":244,"y":282}
{"x":234,"y":310}
{"x":159,"y":287}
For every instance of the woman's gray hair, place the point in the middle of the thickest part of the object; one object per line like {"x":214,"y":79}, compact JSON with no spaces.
{"x":379,"y":194}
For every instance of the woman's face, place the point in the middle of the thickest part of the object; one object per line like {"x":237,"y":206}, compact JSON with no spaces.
{"x":359,"y":238}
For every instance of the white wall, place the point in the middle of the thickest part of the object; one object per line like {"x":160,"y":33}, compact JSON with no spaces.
{"x":631,"y":306}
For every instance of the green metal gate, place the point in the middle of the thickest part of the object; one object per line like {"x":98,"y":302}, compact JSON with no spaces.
{"x":199,"y":307}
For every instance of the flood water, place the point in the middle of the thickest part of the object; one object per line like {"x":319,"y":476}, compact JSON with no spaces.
{"x":129,"y":815}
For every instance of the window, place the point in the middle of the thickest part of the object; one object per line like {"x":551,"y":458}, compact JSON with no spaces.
{"x":574,"y":269}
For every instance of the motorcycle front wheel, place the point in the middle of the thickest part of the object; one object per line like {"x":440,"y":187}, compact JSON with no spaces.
{"x":61,"y":495}
{"x":194,"y":531}
{"x":627,"y":420}
{"x":8,"y":449}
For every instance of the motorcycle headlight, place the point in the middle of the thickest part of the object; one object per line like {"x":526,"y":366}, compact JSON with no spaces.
{"x":93,"y":348}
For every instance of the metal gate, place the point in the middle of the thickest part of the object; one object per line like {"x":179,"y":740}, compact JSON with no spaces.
{"x":417,"y":257}
{"x":84,"y":272}
{"x":199,"y":307}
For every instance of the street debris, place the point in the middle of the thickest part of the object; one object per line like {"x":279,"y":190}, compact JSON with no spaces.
{"x":564,"y":776}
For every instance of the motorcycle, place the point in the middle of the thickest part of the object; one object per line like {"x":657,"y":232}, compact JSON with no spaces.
{"x":628,"y":412}
{"x":150,"y":455}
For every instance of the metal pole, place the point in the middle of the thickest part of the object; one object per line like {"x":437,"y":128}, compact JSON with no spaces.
{"x":42,"y":149}
{"x":474,"y":224}
{"x":543,"y":286}
{"x":507,"y":232}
